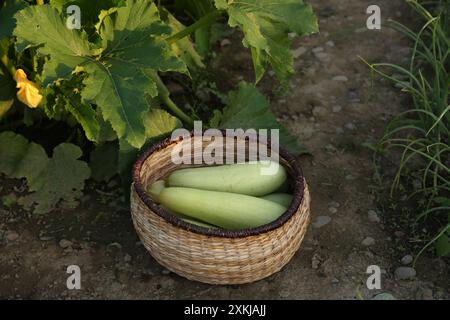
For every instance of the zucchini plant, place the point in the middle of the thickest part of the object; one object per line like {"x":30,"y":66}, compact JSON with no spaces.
{"x":97,"y":95}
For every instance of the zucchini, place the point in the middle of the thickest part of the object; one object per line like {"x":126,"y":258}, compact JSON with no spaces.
{"x":226,"y":210}
{"x":246,"y":178}
{"x":188,"y":219}
{"x":155,"y":189}
{"x":281,"y":198}
{"x":198,"y":223}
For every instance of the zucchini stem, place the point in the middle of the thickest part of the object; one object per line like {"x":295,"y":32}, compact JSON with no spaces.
{"x":203,"y":21}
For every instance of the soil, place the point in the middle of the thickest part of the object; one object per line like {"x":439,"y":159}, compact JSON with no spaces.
{"x":335,"y":110}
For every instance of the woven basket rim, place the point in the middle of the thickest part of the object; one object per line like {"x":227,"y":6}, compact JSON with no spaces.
{"x":298,"y":183}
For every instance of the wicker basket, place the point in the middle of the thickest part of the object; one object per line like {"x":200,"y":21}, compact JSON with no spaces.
{"x":215,"y":256}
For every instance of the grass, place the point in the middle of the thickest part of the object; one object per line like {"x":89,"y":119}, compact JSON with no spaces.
{"x":422,"y":133}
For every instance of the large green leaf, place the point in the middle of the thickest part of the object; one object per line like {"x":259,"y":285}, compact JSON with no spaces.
{"x":132,"y":41}
{"x":266,"y":25}
{"x":63,"y":98}
{"x":248,"y":109}
{"x":67,"y":48}
{"x":49,"y":180}
{"x":7,"y":22}
{"x":184,"y":47}
{"x":159,"y":122}
{"x":90,"y":10}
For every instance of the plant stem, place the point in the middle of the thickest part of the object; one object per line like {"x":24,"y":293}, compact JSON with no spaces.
{"x":7,"y":63}
{"x":180,"y":113}
{"x":204,"y":21}
{"x":164,"y":94}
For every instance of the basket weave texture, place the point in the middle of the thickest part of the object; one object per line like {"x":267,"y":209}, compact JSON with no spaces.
{"x":215,"y":256}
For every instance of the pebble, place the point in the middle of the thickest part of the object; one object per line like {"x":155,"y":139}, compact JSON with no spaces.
{"x":166,"y":271}
{"x":298,"y":52}
{"x":334,"y":204}
{"x":407,"y":259}
{"x":11,"y":236}
{"x":127,"y":258}
{"x":368,"y":241}
{"x":340,"y":78}
{"x":332,"y":210}
{"x":330,"y":43}
{"x":319,"y":111}
{"x":384,"y":296}
{"x":405,"y":273}
{"x":424,"y":294}
{"x":373,"y":216}
{"x":350,"y":126}
{"x":336,"y":109}
{"x":315,"y":261}
{"x":64,"y":243}
{"x":46,"y":238}
{"x":323,"y":56}
{"x":225,"y":42}
{"x":317,"y":49}
{"x":321,"y":221}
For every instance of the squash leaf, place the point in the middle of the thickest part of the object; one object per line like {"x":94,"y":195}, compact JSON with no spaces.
{"x":49,"y":180}
{"x":131,"y":39}
{"x":266,"y":25}
{"x":249,"y":109}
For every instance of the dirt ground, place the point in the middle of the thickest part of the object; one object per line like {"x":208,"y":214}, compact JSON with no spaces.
{"x":328,"y":109}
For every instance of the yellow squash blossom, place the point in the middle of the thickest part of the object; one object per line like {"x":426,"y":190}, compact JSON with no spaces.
{"x":28,"y":91}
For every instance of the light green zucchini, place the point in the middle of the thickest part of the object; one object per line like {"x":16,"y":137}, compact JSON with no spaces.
{"x":155,"y":189}
{"x":223,"y":209}
{"x":247,"y":178}
{"x":284,"y":199}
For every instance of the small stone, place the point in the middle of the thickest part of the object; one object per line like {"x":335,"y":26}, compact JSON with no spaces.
{"x":315,"y":261}
{"x":321,"y":221}
{"x":11,"y":236}
{"x":350,"y":126}
{"x":127,"y":258}
{"x":368,"y":241}
{"x":334,"y":204}
{"x":332,"y":210}
{"x":424,"y":294}
{"x":225,"y":42}
{"x":407,"y":259}
{"x":330,"y":43}
{"x":340,"y":78}
{"x":64,"y":243}
{"x":384,"y":296}
{"x":317,"y":49}
{"x":298,"y":52}
{"x":373,"y":216}
{"x":349,"y":177}
{"x":166,"y":271}
{"x":46,"y":238}
{"x":319,"y":111}
{"x":322,"y":56}
{"x":336,"y":109}
{"x":405,"y":273}
{"x":334,"y":280}
{"x":417,"y":184}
